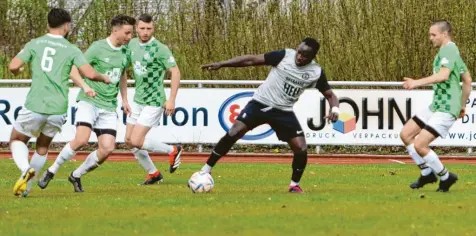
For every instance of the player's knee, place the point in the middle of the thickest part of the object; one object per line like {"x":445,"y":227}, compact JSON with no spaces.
{"x":421,"y":147}
{"x":41,"y":150}
{"x":136,"y":143}
{"x":78,"y":143}
{"x":107,"y":149}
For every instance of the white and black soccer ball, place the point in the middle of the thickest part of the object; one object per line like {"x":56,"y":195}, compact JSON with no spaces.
{"x":201,"y":182}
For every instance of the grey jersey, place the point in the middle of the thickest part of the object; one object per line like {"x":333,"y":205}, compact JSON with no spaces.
{"x":286,"y":81}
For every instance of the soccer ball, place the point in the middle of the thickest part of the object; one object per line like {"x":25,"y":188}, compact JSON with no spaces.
{"x":201,"y":182}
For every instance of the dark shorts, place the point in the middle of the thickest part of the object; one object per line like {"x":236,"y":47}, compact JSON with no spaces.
{"x":284,"y":123}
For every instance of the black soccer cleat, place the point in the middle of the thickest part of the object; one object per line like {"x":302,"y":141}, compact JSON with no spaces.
{"x":45,"y":179}
{"x":423,"y":180}
{"x":76,"y":183}
{"x":445,"y":185}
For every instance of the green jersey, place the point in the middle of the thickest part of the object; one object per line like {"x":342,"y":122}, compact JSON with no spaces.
{"x":109,"y":60}
{"x":447,"y":94}
{"x":150,"y":62}
{"x":51,"y":58}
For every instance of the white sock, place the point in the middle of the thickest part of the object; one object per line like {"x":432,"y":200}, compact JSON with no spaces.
{"x":20,"y":155}
{"x":292,"y":184}
{"x":88,"y":165}
{"x":65,"y":155}
{"x":425,"y":169}
{"x":206,"y":168}
{"x":153,"y":145}
{"x":144,"y":160}
{"x":435,"y":164}
{"x":37,"y":162}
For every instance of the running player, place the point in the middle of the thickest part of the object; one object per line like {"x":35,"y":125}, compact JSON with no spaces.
{"x":51,"y":58}
{"x":449,"y":102}
{"x":292,"y":72}
{"x":151,"y":61}
{"x":98,"y":114}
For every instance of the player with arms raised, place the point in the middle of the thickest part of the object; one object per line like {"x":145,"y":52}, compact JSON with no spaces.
{"x":151,"y":61}
{"x":51,"y":58}
{"x":292,"y":72}
{"x":99,"y":114}
{"x":449,"y":102}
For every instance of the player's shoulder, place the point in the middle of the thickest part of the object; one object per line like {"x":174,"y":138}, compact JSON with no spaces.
{"x":450,"y":47}
{"x":157,"y":43}
{"x":133,"y":42}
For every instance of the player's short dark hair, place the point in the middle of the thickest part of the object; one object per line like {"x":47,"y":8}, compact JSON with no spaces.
{"x":312,"y":43}
{"x":444,"y":25}
{"x":58,"y":17}
{"x":146,"y":18}
{"x":121,"y":20}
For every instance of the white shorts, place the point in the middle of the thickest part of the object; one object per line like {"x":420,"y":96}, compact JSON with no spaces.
{"x":94,"y":117}
{"x":148,"y":116}
{"x":32,"y":124}
{"x":438,"y":123}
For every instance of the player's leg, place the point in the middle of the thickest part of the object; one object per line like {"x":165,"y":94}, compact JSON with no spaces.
{"x":27,"y":125}
{"x":142,"y":156}
{"x":249,"y":118}
{"x":410,"y":130}
{"x":288,"y":129}
{"x":438,"y":125}
{"x":38,"y":159}
{"x":105,"y":129}
{"x":150,"y":117}
{"x":86,"y":114}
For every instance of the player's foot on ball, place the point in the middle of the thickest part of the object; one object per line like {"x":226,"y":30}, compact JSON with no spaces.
{"x":423,"y":180}
{"x":45,"y":179}
{"x":20,"y":185}
{"x":153,"y":178}
{"x":446,"y":184}
{"x":76,"y":183}
{"x":175,"y":158}
{"x":295,"y":189}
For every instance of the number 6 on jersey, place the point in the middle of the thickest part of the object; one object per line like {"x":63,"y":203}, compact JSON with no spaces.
{"x":46,"y":60}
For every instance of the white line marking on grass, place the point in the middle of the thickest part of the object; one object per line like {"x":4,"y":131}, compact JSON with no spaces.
{"x":397,"y":161}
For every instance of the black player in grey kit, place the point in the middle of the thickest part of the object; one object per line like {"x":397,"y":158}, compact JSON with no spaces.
{"x":292,"y":72}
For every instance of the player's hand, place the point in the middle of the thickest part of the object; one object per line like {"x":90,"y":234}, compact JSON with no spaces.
{"x":213,"y":66}
{"x":462,"y":112}
{"x":332,"y":117}
{"x":106,"y":80}
{"x":126,"y":108}
{"x":409,"y":83}
{"x":169,"y":107}
{"x":89,"y":92}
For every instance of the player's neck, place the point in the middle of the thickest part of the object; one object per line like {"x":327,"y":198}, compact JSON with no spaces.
{"x":114,"y":42}
{"x":146,"y":42}
{"x":446,"y":42}
{"x":55,"y":32}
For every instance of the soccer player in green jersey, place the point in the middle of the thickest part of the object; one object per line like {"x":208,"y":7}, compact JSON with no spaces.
{"x":449,"y":101}
{"x":98,"y":114}
{"x":51,"y":58}
{"x":151,"y":61}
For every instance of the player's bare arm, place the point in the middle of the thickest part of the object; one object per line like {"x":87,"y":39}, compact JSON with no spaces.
{"x":466,"y":91}
{"x":16,"y":66}
{"x":439,"y":77}
{"x":174,"y":86}
{"x":123,"y":88}
{"x":240,"y":61}
{"x":78,"y":80}
{"x":88,"y":71}
{"x":333,"y":103}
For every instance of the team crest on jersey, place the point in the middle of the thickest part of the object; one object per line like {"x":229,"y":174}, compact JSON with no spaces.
{"x":147,"y":56}
{"x":107,"y":60}
{"x":305,"y":76}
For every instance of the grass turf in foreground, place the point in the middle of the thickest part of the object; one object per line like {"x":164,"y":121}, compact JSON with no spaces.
{"x":247,"y":199}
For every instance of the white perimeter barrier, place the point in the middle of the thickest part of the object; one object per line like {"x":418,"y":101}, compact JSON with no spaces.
{"x":203,"y":115}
